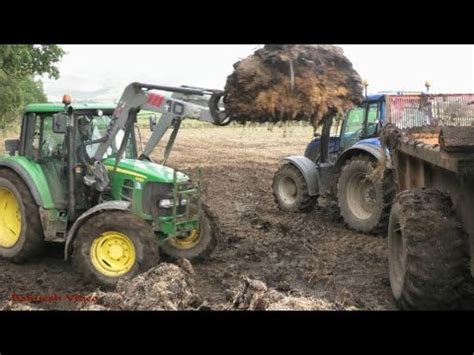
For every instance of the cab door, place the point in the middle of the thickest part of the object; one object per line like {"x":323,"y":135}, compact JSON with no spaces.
{"x":41,"y":144}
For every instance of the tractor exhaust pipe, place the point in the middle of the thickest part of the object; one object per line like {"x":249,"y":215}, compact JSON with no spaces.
{"x":71,"y":165}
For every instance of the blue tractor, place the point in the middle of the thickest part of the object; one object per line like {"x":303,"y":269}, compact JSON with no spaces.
{"x":342,"y":161}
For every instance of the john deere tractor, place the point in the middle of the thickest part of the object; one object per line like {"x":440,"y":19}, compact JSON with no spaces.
{"x":75,"y":177}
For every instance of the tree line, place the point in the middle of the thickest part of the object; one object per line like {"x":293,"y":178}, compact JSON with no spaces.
{"x":20,"y":65}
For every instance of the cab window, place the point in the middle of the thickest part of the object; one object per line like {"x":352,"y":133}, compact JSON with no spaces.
{"x":52,"y":143}
{"x":92,"y":128}
{"x":42,"y":142}
{"x":372,"y":120}
{"x":335,"y":126}
{"x":354,"y":127}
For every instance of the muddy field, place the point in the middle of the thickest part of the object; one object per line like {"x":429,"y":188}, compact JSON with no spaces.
{"x":302,"y":255}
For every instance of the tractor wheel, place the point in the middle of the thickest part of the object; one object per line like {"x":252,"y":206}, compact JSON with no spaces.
{"x":426,"y":251}
{"x":198,"y":244}
{"x":290,"y":190}
{"x":114,"y":245}
{"x":21,"y":233}
{"x":364,"y":203}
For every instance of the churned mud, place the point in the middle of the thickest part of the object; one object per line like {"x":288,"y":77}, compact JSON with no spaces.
{"x":266,"y":258}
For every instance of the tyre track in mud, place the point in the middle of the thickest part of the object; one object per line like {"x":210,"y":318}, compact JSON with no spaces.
{"x":309,"y":254}
{"x":302,"y":254}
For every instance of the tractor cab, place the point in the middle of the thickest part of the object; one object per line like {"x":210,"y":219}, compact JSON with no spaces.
{"x":44,"y":142}
{"x":360,"y":123}
{"x":43,"y":135}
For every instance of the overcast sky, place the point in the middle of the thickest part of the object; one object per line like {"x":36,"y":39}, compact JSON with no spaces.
{"x":101,"y":72}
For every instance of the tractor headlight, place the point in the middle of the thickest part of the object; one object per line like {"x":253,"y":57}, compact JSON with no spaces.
{"x":169,"y":203}
{"x":166,"y":203}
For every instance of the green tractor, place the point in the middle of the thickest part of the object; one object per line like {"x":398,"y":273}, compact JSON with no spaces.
{"x":75,"y":177}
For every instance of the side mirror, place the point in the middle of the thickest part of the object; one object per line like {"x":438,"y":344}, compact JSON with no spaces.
{"x":60,"y":123}
{"x":12,"y":146}
{"x":152,"y":122}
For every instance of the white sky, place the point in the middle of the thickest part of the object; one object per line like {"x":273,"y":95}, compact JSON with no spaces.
{"x":101,"y":72}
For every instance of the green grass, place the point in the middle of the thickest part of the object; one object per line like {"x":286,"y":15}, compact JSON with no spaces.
{"x":143,"y":123}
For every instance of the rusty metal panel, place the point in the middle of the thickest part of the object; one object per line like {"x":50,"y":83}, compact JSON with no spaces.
{"x":457,"y":139}
{"x":429,"y":154}
{"x":409,"y":111}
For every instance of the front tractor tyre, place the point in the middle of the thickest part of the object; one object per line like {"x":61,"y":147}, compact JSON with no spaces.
{"x":197,"y":244}
{"x":426,"y":251}
{"x":291,"y":191}
{"x":364,"y":200}
{"x":21,"y":233}
{"x":114,"y":245}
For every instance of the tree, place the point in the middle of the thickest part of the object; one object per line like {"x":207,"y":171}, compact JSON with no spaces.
{"x":32,"y":91}
{"x":19,"y":64}
{"x":10,"y":100}
{"x":30,"y":60}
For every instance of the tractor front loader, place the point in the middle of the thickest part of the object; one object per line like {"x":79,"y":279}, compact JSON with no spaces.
{"x":75,"y":177}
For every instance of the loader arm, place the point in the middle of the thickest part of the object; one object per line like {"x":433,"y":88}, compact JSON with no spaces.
{"x":138,"y":96}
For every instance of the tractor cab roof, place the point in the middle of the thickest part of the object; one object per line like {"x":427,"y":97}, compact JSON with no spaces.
{"x":375,"y":97}
{"x":382,"y":95}
{"x":55,"y":108}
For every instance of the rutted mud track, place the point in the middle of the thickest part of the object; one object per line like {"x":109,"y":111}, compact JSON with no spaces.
{"x":308,"y":255}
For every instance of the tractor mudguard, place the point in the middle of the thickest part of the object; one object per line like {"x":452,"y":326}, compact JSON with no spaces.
{"x":34,"y":178}
{"x":309,"y":171}
{"x":371,"y":146}
{"x":106,"y":206}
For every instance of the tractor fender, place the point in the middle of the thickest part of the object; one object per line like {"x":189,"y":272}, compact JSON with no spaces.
{"x":106,"y":206}
{"x":374,"y":150}
{"x":308,"y":169}
{"x":28,"y":180}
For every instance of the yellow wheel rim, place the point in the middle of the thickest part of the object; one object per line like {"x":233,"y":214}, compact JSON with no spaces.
{"x":186,"y":242}
{"x":113,"y":254}
{"x":10,"y":219}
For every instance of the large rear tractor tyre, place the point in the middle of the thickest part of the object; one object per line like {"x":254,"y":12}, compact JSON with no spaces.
{"x":426,"y":251}
{"x":365,"y":202}
{"x":196,"y":245}
{"x":291,"y":191}
{"x":114,"y":245}
{"x":21,"y":233}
